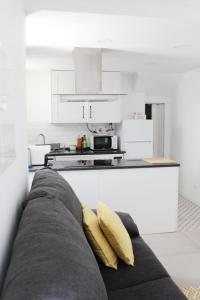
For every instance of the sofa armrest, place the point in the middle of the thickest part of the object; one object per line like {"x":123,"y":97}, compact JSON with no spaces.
{"x":129,"y":224}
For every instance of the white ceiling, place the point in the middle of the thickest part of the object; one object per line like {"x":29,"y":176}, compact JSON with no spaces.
{"x":146,"y":8}
{"x":158,"y":44}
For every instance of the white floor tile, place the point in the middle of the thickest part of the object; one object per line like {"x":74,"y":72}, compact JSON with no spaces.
{"x":170,"y":244}
{"x":194,"y":236}
{"x":184,"y":269}
{"x":180,"y":252}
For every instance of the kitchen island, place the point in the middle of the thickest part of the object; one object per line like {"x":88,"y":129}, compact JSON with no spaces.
{"x":147,"y":191}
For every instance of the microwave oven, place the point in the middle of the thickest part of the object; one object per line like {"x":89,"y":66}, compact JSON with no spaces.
{"x":104,"y":142}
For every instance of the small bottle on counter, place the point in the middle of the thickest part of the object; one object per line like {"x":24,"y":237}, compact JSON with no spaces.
{"x":84,"y":143}
{"x":79,"y":143}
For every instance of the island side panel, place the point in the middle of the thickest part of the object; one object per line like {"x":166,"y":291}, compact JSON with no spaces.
{"x":149,"y":195}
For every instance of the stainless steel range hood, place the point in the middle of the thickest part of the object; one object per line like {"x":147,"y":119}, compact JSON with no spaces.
{"x":88,"y":70}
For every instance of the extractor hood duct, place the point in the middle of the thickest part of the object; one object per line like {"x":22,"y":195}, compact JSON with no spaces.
{"x":88,"y":66}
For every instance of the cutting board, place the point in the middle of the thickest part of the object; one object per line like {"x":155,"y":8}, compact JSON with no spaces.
{"x":159,"y":160}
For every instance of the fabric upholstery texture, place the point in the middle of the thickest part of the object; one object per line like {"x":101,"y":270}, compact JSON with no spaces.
{"x":98,"y":241}
{"x":52,"y":259}
{"x":49,"y":184}
{"x":147,"y":268}
{"x":115,"y":233}
{"x":148,"y":280}
{"x":160,"y":289}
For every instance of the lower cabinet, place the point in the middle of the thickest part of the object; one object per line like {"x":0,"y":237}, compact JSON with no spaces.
{"x":70,"y":111}
{"x":149,"y":195}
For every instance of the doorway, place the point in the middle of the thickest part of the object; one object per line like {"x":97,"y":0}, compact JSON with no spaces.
{"x":156,"y":112}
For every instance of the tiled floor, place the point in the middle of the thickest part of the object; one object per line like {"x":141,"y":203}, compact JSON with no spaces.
{"x":179,"y":252}
{"x":188,"y":215}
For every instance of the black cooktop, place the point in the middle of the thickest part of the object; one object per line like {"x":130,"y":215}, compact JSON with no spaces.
{"x":61,"y":152}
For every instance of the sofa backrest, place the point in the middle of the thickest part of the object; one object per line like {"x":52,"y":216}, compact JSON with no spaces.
{"x":51,"y":258}
{"x":49,"y":184}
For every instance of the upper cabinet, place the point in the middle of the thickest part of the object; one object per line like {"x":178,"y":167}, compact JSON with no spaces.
{"x":69,"y":111}
{"x":104,"y":112}
{"x":71,"y":107}
{"x":63,"y":82}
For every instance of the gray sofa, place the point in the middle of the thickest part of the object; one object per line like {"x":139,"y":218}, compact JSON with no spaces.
{"x":52,"y":259}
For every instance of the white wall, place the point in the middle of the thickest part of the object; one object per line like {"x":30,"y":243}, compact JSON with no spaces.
{"x":141,"y":88}
{"x":186,"y":134}
{"x":150,"y":87}
{"x":13,"y":178}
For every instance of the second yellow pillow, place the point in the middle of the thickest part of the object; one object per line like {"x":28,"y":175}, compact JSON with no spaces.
{"x":115,"y":233}
{"x":97,"y":239}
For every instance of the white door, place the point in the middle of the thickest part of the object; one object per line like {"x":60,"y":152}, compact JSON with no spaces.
{"x":137,"y":150}
{"x":104,"y":112}
{"x":69,"y":112}
{"x":158,"y":117}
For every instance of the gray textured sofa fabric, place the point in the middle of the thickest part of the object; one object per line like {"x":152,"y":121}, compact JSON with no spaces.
{"x":50,"y":185}
{"x":52,"y":259}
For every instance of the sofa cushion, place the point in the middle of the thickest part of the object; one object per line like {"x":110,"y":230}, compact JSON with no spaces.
{"x":98,"y":241}
{"x":130,"y":225}
{"x":147,"y":268}
{"x":51,"y":257}
{"x":160,"y":289}
{"x":49,"y":184}
{"x":115,"y":232}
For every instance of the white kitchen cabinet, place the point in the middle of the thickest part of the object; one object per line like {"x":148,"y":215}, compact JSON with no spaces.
{"x":149,"y":195}
{"x":111,"y":82}
{"x":68,"y":111}
{"x":64,"y":111}
{"x":63,"y":82}
{"x":86,"y":187}
{"x":104,"y":112}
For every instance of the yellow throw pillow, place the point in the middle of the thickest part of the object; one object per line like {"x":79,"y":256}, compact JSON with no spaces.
{"x":115,"y":233}
{"x":97,"y":239}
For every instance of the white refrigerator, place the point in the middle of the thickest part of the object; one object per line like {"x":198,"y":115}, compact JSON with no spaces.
{"x":136,"y":138}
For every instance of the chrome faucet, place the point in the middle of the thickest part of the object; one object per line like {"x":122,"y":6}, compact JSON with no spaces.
{"x":43,"y":136}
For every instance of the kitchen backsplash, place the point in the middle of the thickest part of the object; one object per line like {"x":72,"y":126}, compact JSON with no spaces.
{"x":64,"y":134}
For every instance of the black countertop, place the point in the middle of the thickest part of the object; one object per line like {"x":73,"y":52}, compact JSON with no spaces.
{"x":63,"y":152}
{"x":103,"y":164}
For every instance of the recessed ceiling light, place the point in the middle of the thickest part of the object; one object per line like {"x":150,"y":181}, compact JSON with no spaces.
{"x":180,"y":46}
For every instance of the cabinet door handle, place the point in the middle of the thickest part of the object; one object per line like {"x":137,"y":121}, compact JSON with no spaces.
{"x":83,"y":111}
{"x":90,"y":112}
